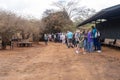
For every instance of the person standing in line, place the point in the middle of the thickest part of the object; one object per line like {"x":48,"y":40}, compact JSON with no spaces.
{"x":63,"y":38}
{"x":73,"y":40}
{"x":52,"y":37}
{"x":46,"y":39}
{"x":11,"y":44}
{"x":69,"y":39}
{"x":81,"y":42}
{"x":66,"y":41}
{"x":94,"y":30}
{"x":80,"y":45}
{"x":77,"y":35}
{"x":98,"y":41}
{"x":49,"y":37}
{"x":59,"y":40}
{"x":89,"y":41}
{"x":85,"y":39}
{"x":55,"y":37}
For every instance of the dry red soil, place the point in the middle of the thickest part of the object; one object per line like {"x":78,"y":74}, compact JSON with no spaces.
{"x":57,"y":62}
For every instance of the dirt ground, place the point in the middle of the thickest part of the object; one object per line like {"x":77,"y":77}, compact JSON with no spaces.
{"x":57,"y":62}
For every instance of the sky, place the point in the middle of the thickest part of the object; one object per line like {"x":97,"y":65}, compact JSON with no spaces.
{"x":35,"y":8}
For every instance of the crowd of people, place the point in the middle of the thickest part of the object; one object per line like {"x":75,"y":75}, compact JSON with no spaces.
{"x":84,"y":41}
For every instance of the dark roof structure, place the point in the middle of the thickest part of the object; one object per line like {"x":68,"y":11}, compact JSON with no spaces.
{"x":107,"y":14}
{"x":107,"y":21}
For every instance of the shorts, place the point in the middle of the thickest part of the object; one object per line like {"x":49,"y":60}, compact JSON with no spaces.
{"x":81,"y":44}
{"x":77,"y":42}
{"x":69,"y":40}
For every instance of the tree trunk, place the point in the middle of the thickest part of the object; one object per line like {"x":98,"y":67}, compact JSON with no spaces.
{"x":4,"y":45}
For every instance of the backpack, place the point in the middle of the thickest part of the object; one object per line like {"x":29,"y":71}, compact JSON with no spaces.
{"x":97,"y":34}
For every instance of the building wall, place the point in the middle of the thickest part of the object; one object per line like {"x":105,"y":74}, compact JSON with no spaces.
{"x":110,"y":29}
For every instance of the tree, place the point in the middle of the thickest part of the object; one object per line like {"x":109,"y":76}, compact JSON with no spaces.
{"x":7,"y":26}
{"x":70,"y":7}
{"x":10,"y":24}
{"x":83,"y":14}
{"x":74,"y":10}
{"x":56,"y":22}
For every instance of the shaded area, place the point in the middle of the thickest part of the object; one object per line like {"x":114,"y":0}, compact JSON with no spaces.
{"x":109,"y":29}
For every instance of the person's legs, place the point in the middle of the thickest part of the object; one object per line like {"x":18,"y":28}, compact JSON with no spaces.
{"x":88,"y":46}
{"x":95,"y":44}
{"x":10,"y":46}
{"x":77,"y":49}
{"x":68,"y":43}
{"x":85,"y":45}
{"x":77,"y":42}
{"x":83,"y":51}
{"x":91,"y":46}
{"x":71,"y":43}
{"x":82,"y":47}
{"x":99,"y":47}
{"x":62,"y":41}
{"x":46,"y":42}
{"x":74,"y":43}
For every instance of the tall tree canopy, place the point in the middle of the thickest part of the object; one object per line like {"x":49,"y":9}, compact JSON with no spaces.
{"x":56,"y":21}
{"x":62,"y":19}
{"x":10,"y":24}
{"x":74,"y":10}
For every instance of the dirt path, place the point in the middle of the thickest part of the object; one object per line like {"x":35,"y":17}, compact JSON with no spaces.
{"x":57,"y":62}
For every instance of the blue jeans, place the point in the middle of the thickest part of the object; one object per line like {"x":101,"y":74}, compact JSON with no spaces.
{"x":95,"y":43}
{"x":90,"y":46}
{"x":98,"y":45}
{"x":85,"y":44}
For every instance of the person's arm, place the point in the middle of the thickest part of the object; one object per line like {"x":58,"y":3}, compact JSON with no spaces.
{"x":79,"y":39}
{"x":82,"y":38}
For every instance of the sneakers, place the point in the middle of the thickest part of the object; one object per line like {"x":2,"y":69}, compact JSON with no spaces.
{"x":77,"y":52}
{"x":99,"y":51}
